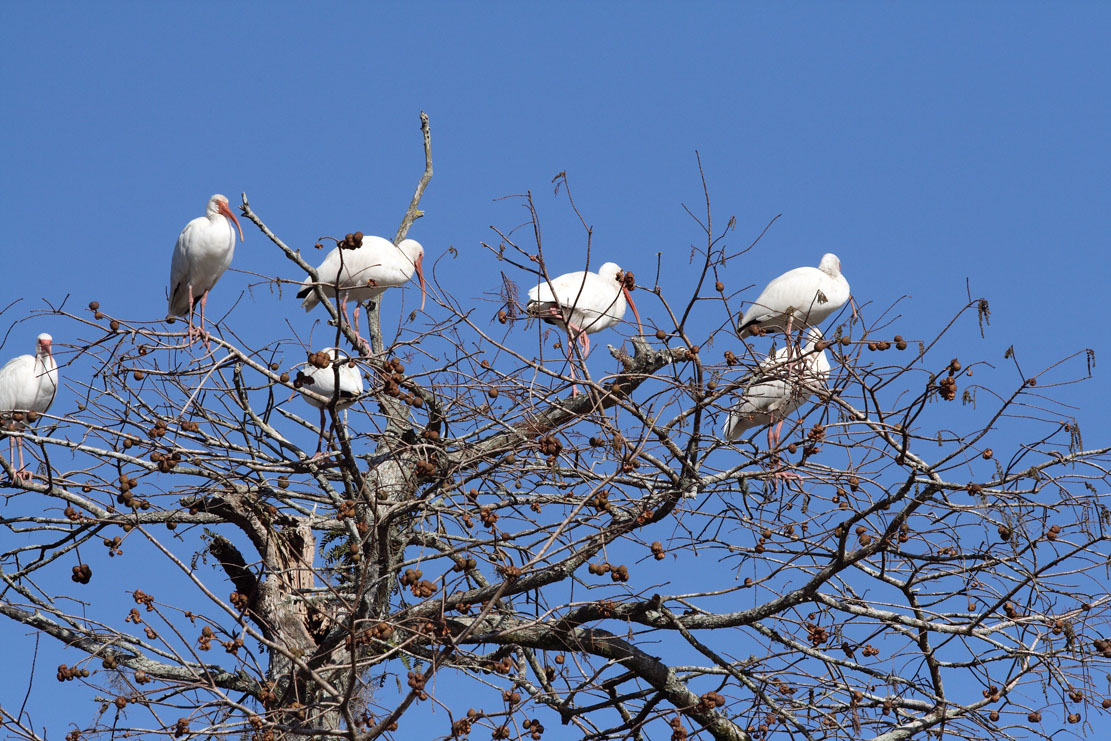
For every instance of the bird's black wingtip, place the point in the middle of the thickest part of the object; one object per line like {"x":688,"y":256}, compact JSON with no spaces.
{"x":304,"y":292}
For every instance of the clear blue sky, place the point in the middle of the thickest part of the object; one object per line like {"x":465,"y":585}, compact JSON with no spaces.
{"x":924,"y":144}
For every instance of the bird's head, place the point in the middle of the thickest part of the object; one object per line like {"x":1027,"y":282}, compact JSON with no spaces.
{"x":218,"y":204}
{"x":830,"y":264}
{"x":44,"y":341}
{"x":624,"y":279}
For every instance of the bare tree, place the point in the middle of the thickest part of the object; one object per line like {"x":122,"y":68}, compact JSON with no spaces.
{"x":512,"y":552}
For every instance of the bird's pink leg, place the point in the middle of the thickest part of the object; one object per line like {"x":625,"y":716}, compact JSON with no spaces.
{"x":201,"y":331}
{"x":773,"y":443}
{"x":365,"y":344}
{"x":571,"y":365}
{"x":189,"y":334}
{"x":21,"y":472}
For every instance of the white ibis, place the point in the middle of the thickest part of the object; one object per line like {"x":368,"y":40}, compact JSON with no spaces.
{"x":583,"y":303}
{"x":323,"y":382}
{"x":803,"y":297}
{"x":365,"y":272}
{"x":203,"y":252}
{"x":28,"y":384}
{"x":778,"y":388}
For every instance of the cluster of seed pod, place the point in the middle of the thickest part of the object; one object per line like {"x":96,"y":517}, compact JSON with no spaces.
{"x":817,"y":634}
{"x":869,"y":650}
{"x":465,"y":564}
{"x":82,"y":573}
{"x":181,"y":727}
{"x":142,"y":598}
{"x":658,"y":551}
{"x":1103,"y":645}
{"x":511,"y":697}
{"x":510,"y":572}
{"x":351,"y":241}
{"x":488,"y":516}
{"x":320,"y":360}
{"x":416,"y":682}
{"x":159,"y":429}
{"x":346,"y":509}
{"x":68,"y":673}
{"x":678,"y":732}
{"x":379,"y":631}
{"x":461,"y":728}
{"x":73,"y":515}
{"x":113,"y":545}
{"x":505,"y":666}
{"x":710,"y":700}
{"x":549,"y":445}
{"x":600,"y":501}
{"x":410,"y":576}
{"x":166,"y":461}
{"x":1053,"y":532}
{"x":534,"y":729}
{"x":617,"y":573}
{"x":426,"y":468}
{"x":239,"y":601}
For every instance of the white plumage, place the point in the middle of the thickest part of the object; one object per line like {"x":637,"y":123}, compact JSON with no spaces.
{"x":364,"y":273}
{"x":781,"y":385}
{"x":324,"y":382}
{"x":582,"y":302}
{"x":28,"y":384}
{"x":203,"y":252}
{"x":803,"y":297}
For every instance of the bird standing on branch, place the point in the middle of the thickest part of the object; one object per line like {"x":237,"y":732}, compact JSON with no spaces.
{"x":27,"y":387}
{"x":203,"y":252}
{"x":362,"y":268}
{"x":803,"y":297}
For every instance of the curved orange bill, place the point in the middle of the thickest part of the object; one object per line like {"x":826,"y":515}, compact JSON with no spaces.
{"x":629,"y":300}
{"x":227,"y":212}
{"x":420,"y":278}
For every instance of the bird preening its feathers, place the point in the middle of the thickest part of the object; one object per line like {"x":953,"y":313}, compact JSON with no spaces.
{"x":780,"y":385}
{"x":803,"y":297}
{"x":28,"y":384}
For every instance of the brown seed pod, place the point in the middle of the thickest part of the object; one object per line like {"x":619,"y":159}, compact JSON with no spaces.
{"x":94,"y":305}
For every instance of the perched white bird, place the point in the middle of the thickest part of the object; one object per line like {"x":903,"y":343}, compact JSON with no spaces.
{"x":803,"y":297}
{"x":583,"y":303}
{"x":364,"y":273}
{"x":203,"y":252}
{"x":28,"y":384}
{"x":323,"y":382}
{"x":781,"y":384}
